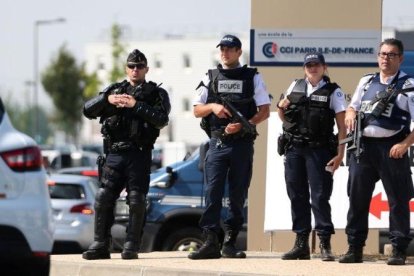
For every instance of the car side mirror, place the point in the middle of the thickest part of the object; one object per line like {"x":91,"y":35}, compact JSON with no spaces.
{"x":172,"y":177}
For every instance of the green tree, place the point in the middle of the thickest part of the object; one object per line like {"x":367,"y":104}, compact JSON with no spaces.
{"x":91,"y":84}
{"x":118,"y":52}
{"x":66,"y":81}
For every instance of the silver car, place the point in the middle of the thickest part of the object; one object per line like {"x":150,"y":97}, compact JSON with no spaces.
{"x":73,"y":199}
{"x":26,"y":223}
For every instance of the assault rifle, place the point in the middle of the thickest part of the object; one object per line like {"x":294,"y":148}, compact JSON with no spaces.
{"x":382,"y":99}
{"x":354,"y":138}
{"x":238,"y":117}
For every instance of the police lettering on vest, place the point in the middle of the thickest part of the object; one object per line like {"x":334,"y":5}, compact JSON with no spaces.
{"x":236,"y":84}
{"x":230,"y":86}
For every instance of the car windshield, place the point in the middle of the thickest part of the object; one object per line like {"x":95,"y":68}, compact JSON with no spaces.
{"x":66,"y":191}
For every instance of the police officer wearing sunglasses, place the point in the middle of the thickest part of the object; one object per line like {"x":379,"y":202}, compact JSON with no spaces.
{"x":132,"y":113}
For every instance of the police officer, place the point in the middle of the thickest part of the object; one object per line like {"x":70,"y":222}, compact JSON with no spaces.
{"x":132,"y":113}
{"x":230,"y":154}
{"x":386,"y":137}
{"x":308,"y":110}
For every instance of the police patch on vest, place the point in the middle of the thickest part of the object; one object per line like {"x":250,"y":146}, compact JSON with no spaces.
{"x":230,"y":86}
{"x":319,"y":98}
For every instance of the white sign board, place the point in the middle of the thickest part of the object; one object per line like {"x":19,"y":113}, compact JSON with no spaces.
{"x":287,"y":47}
{"x":277,"y":206}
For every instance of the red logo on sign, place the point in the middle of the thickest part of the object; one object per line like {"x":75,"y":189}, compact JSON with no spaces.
{"x":378,"y":205}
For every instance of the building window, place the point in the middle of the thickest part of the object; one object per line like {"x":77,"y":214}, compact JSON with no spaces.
{"x":187,"y":61}
{"x":186,"y":104}
{"x":157,"y":61}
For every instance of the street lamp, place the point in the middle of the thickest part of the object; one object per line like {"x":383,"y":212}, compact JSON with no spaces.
{"x":38,"y":23}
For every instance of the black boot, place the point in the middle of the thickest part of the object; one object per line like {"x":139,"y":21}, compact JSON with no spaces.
{"x":137,"y":212}
{"x":398,"y":257}
{"x":229,"y":250}
{"x":325,"y":246}
{"x":300,"y":250}
{"x":354,"y":255}
{"x":210,"y":248}
{"x":99,"y":249}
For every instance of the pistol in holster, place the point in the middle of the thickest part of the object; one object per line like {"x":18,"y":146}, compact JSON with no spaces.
{"x":282,"y":144}
{"x":100,"y":161}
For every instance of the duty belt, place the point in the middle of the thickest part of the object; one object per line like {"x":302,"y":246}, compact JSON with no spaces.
{"x":121,"y":146}
{"x":220,"y":134}
{"x":298,"y":141}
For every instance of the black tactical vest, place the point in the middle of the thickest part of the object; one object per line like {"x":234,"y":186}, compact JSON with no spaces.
{"x":124,"y":126}
{"x":237,"y":86}
{"x":310,"y":119}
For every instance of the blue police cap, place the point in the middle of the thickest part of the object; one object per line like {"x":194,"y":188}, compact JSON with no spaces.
{"x":230,"y":41}
{"x":315,"y":58}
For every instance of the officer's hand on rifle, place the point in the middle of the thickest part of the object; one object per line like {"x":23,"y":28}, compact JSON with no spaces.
{"x":350,"y":118}
{"x":220,"y":111}
{"x":233,"y":128}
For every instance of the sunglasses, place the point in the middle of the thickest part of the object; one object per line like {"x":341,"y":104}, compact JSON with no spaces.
{"x":139,"y":66}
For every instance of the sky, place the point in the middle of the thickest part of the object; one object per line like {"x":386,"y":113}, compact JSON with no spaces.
{"x":89,"y":21}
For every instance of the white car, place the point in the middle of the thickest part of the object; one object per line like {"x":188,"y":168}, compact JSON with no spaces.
{"x":26,"y":222}
{"x":73,"y":199}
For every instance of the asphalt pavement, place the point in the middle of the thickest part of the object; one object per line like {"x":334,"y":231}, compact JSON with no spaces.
{"x":256,"y":263}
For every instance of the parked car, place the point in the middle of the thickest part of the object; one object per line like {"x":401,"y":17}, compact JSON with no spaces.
{"x":26,"y":222}
{"x":98,"y":148}
{"x":85,"y":171}
{"x":156,"y":158}
{"x":56,"y":159}
{"x":73,"y":199}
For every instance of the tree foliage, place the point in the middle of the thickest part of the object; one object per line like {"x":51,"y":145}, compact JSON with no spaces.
{"x":118,"y":52}
{"x":65,"y":81}
{"x":91,"y":82}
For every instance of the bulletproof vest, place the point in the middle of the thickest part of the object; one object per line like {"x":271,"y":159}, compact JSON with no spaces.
{"x":392,"y":117}
{"x":124,"y":126}
{"x":237,"y":86}
{"x":310,"y":119}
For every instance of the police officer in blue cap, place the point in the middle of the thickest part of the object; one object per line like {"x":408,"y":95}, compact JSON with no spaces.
{"x":309,"y":111}
{"x":132,"y":113}
{"x":230,"y":153}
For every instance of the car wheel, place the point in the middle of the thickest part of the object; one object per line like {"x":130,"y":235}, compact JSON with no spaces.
{"x":184,"y":239}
